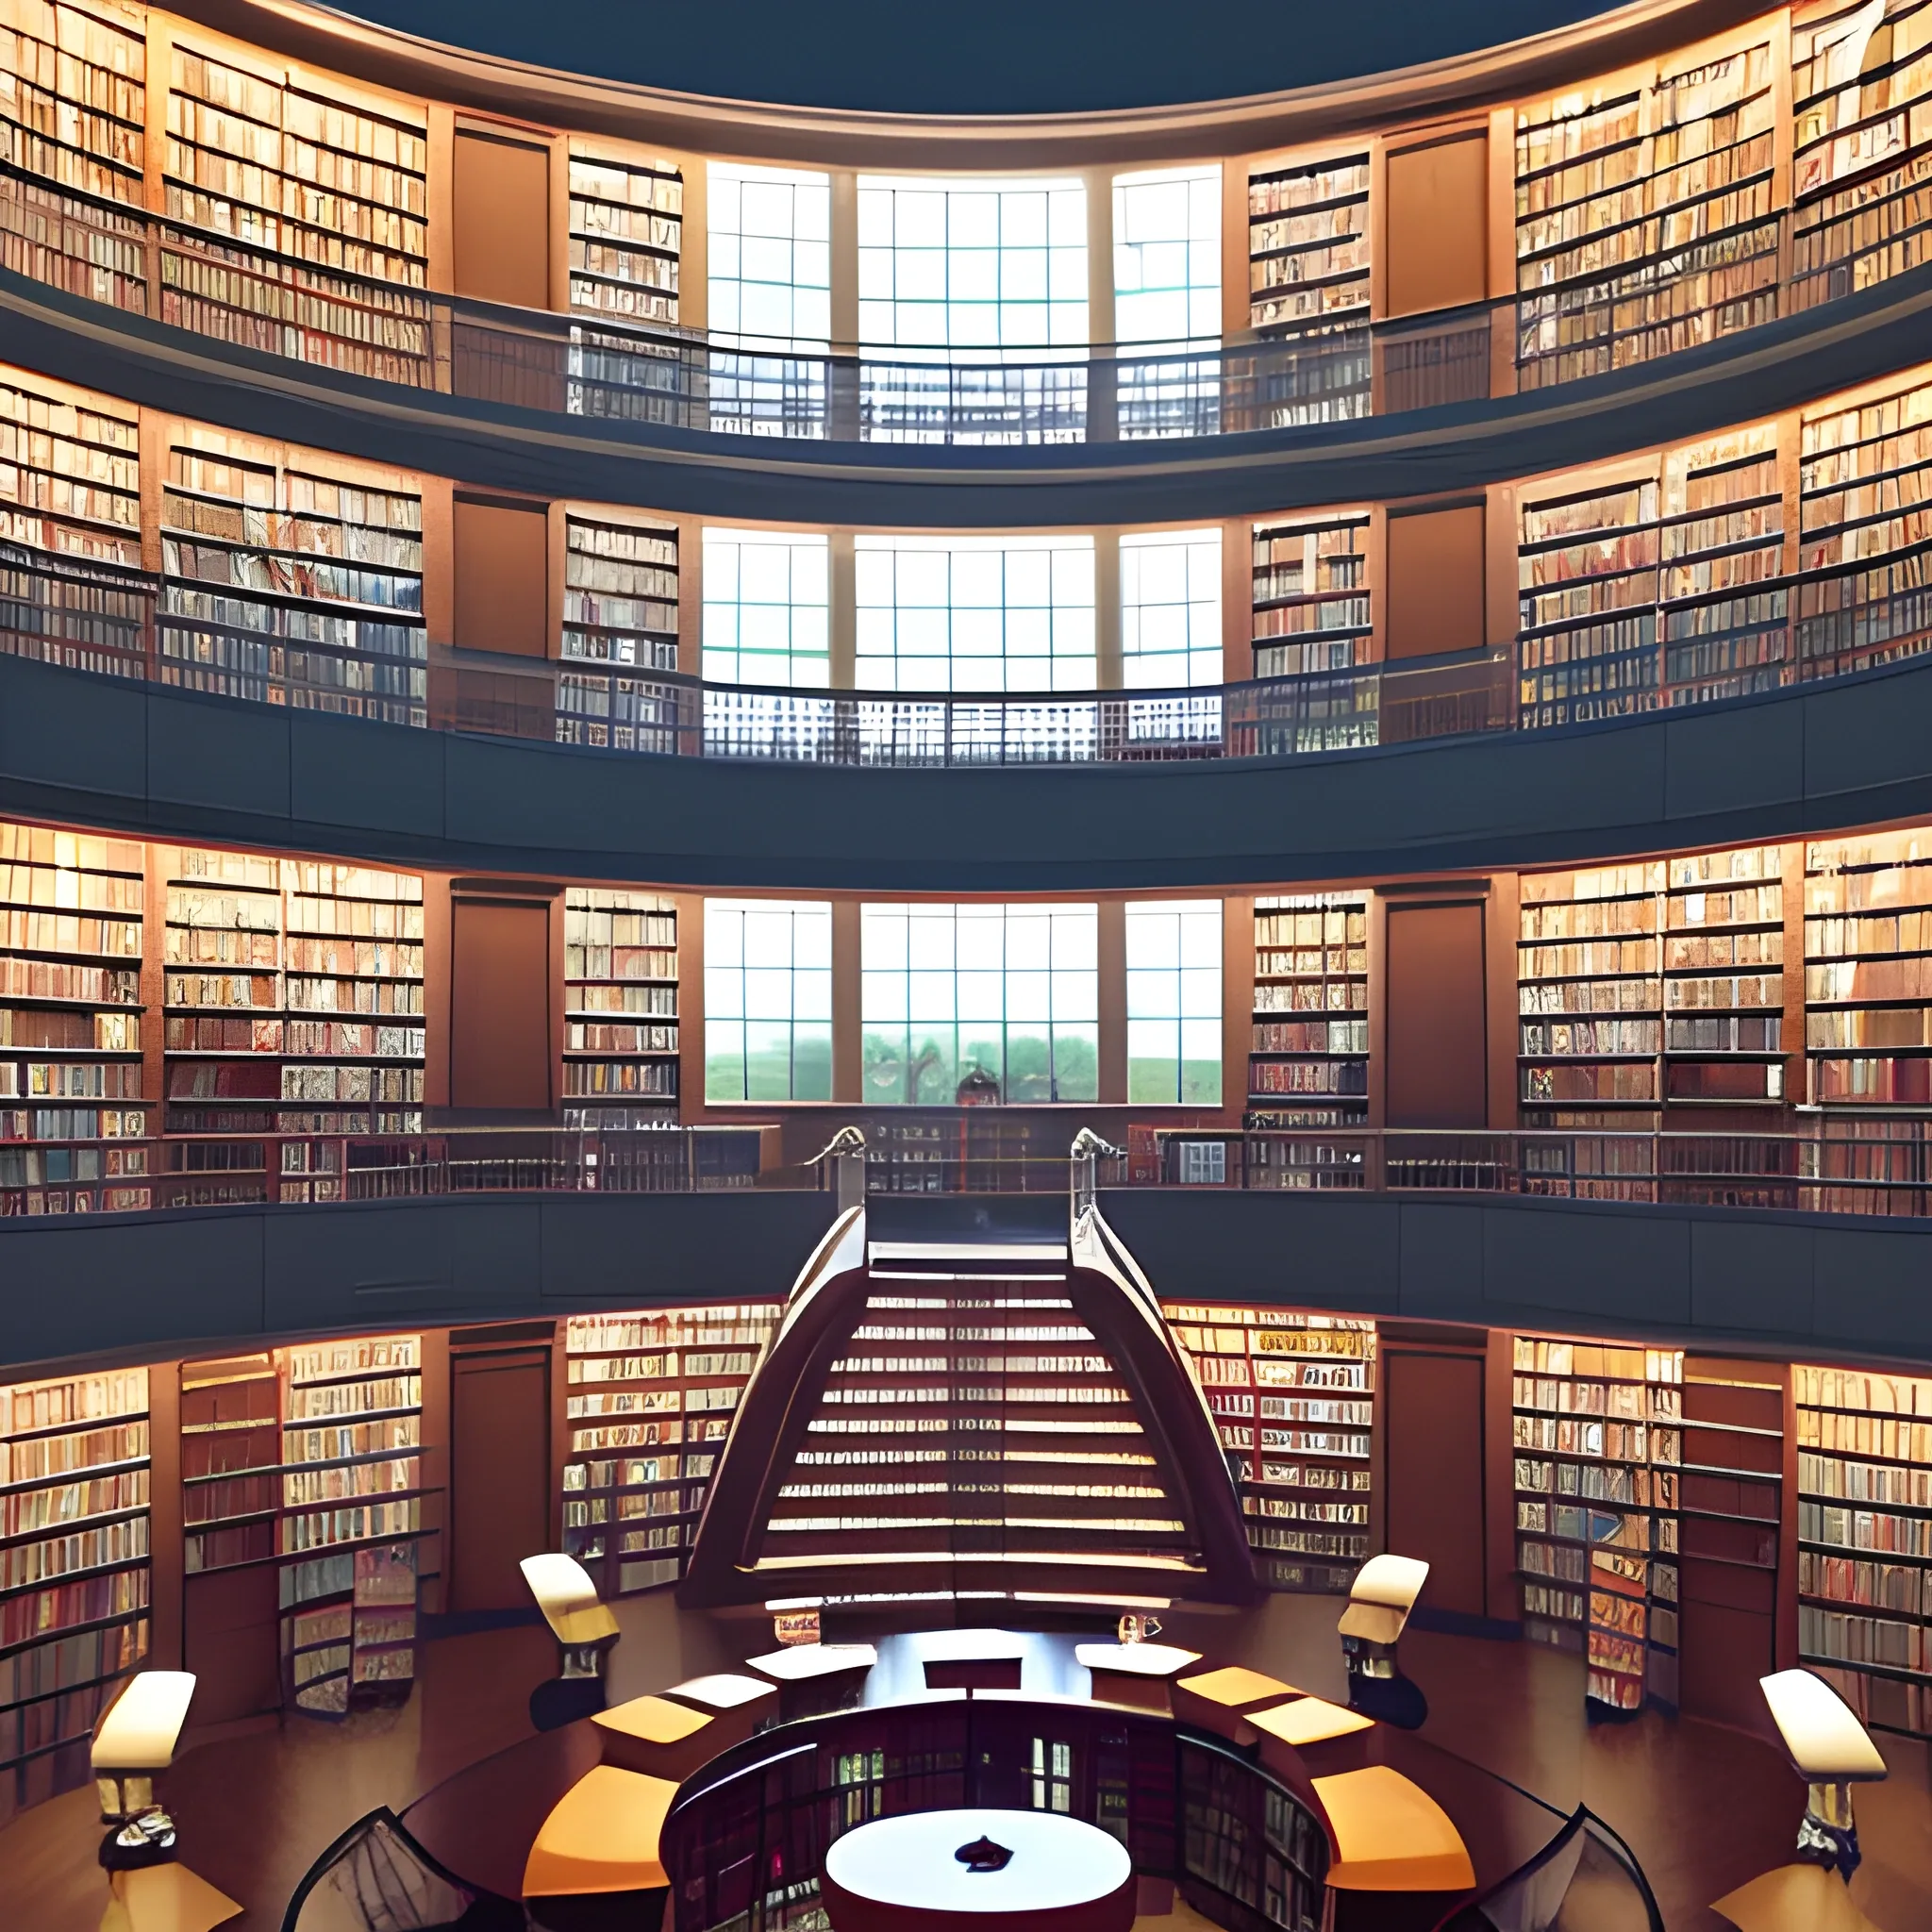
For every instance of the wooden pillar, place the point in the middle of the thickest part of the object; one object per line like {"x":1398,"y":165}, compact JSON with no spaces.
{"x":844,"y":259}
{"x":842,"y":618}
{"x":1100,"y":314}
{"x":1112,"y":1010}
{"x":690,"y":1006}
{"x":165,"y":1559}
{"x":1109,"y":668}
{"x":694,"y":245}
{"x":848,"y":1039}
{"x":1235,"y":299}
{"x":433,"y":1553}
{"x":1792,"y":1031}
{"x":1500,"y":932}
{"x":1236,"y":601}
{"x":691,"y":595}
{"x":1237,"y":1004}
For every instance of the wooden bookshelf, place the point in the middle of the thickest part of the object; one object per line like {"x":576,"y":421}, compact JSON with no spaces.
{"x":1644,"y":214}
{"x":283,"y":585}
{"x":231,"y":1461}
{"x":354,"y":1032}
{"x":224,"y":1040}
{"x":1586,"y":576}
{"x":1598,"y":1453}
{"x":1868,"y":970}
{"x":1865,"y":594}
{"x":74,"y":1569}
{"x":1293,"y":1400}
{"x":351,"y":1520}
{"x":1590,"y":997}
{"x":620,"y":609}
{"x":76,"y":113}
{"x":257,"y":158}
{"x":652,"y":1398}
{"x":1308,"y":1066}
{"x":1311,"y":595}
{"x":627,"y":226}
{"x":294,"y":998}
{"x":621,"y":1052}
{"x":1859,"y":180}
{"x":74,"y":1122}
{"x":1721,"y":616}
{"x":70,"y":472}
{"x":1309,"y":243}
{"x":1724,"y":984}
{"x":1865,"y":1541}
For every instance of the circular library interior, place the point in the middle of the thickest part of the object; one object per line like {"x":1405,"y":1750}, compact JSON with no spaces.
{"x":966,"y":981}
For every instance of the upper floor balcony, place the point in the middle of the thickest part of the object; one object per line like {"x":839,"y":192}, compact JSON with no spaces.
{"x":1639,"y":218}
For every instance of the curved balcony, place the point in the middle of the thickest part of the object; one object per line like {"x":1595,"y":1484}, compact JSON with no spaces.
{"x":565,"y":405}
{"x":1775,"y":1242}
{"x":1391,"y":770}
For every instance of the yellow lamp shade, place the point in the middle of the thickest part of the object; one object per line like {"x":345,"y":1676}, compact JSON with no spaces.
{"x":1826,"y":1742}
{"x":601,"y":1835}
{"x":139,"y":1731}
{"x":568,"y":1599}
{"x":1390,"y":1835}
{"x":1381,"y":1597}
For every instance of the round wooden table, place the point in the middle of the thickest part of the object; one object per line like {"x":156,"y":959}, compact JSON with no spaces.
{"x":903,"y":1875}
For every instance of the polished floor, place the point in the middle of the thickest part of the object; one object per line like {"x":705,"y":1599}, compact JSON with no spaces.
{"x":1703,"y":1807}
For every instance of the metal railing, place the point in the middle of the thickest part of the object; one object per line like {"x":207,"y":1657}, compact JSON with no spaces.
{"x":1833,"y":1165}
{"x":608,"y":369}
{"x":112,"y":621}
{"x":1829,"y":1165}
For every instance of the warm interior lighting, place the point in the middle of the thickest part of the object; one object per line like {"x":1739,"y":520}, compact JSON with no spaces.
{"x":1136,"y":1659}
{"x":568,"y":1599}
{"x":1381,"y":1598}
{"x":1825,"y":1741}
{"x":141,"y":1731}
{"x":722,"y":1690}
{"x":798,"y":1661}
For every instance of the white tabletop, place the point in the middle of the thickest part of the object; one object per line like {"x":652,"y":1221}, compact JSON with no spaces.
{"x":1056,"y":1862}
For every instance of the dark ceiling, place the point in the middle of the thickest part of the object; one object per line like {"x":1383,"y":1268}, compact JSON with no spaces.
{"x":991,"y":56}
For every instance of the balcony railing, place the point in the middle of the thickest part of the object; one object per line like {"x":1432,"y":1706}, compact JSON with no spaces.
{"x":112,"y":621}
{"x":1831,"y":1165}
{"x":603,"y":369}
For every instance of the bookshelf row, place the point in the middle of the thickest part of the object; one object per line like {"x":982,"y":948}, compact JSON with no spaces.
{"x":310,"y":1460}
{"x":1292,"y":1399}
{"x":1712,"y":569}
{"x":182,"y":1027}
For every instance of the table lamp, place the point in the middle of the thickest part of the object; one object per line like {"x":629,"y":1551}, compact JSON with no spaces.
{"x":585,"y":1631}
{"x":1831,"y":1751}
{"x":134,"y":1743}
{"x":1379,"y":1603}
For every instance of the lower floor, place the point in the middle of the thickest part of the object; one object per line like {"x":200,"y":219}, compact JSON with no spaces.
{"x":1703,"y":1807}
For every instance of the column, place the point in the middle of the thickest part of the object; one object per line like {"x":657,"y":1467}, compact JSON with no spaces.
{"x":1112,"y":938}
{"x":848,"y":1046}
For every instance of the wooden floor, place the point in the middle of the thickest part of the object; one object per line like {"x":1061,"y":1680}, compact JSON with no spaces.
{"x":1704,"y":1807}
